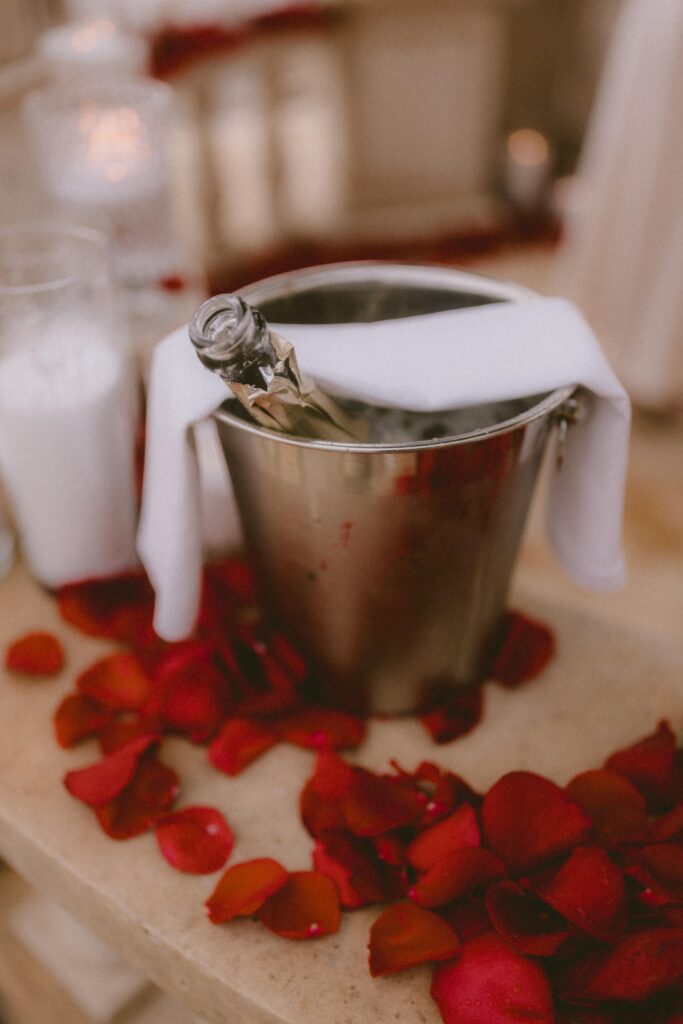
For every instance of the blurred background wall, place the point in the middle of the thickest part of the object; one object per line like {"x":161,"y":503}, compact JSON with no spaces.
{"x":374,"y":120}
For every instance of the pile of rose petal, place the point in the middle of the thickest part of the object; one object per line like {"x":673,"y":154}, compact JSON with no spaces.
{"x":536,"y":903}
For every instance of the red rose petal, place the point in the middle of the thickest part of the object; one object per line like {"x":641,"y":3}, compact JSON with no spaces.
{"x":637,"y":966}
{"x":190,"y":694}
{"x":271,"y":689}
{"x":452,"y":711}
{"x":120,"y":607}
{"x":102,"y":782}
{"x":321,"y":728}
{"x":525,"y":647}
{"x":118,"y":681}
{"x":352,"y":865}
{"x":613,"y":804}
{"x":661,"y":867}
{"x":120,"y":731}
{"x":376,"y":804}
{"x":649,"y":765}
{"x":195,"y":839}
{"x":35,"y":654}
{"x":240,"y":741}
{"x":323,"y":796}
{"x":390,"y":849}
{"x":444,"y":791}
{"x":405,"y":935}
{"x":288,"y":656}
{"x":460,"y":829}
{"x":455,"y":874}
{"x":78,"y":717}
{"x":490,"y":983}
{"x":524,"y":921}
{"x":588,"y":890}
{"x":528,"y":819}
{"x":143,"y":802}
{"x":669,"y":826}
{"x":468,"y":916}
{"x":237,"y":576}
{"x":244,"y":888}
{"x":306,"y":907}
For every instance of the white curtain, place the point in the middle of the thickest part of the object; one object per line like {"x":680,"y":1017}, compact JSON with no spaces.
{"x":622,"y":261}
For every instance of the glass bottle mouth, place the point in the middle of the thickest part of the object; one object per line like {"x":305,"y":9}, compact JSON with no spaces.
{"x":232,"y":339}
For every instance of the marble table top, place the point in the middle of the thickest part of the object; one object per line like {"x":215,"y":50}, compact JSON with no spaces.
{"x":606,"y":687}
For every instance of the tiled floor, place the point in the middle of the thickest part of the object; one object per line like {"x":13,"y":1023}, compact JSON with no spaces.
{"x":653,"y":596}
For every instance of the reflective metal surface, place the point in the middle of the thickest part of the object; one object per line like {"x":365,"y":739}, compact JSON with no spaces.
{"x":388,"y":564}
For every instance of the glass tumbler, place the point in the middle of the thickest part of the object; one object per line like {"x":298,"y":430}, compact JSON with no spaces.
{"x":68,"y":404}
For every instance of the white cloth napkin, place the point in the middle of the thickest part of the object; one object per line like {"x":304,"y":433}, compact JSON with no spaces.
{"x":425,"y":363}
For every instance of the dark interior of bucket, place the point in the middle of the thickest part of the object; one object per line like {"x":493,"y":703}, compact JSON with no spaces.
{"x":364,"y":302}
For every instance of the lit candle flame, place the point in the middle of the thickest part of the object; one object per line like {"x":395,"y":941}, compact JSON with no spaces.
{"x":116,"y":141}
{"x":528,"y":147}
{"x":87,"y":37}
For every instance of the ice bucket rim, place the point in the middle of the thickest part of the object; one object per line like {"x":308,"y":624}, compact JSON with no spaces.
{"x":279,"y":285}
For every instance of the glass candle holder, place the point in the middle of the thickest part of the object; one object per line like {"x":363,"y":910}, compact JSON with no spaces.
{"x":68,"y":404}
{"x":101,"y":150}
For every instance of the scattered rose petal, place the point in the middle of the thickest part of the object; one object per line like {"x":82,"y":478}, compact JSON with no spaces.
{"x":100,"y":783}
{"x":35,"y":654}
{"x":452,"y":711}
{"x":271,"y":689}
{"x":613,"y":804}
{"x":661,"y":867}
{"x":649,"y":765}
{"x":118,"y":681}
{"x":468,"y":916}
{"x":376,"y":804}
{"x":289,"y":657}
{"x":321,"y":728}
{"x":634,"y":968}
{"x":244,"y":888}
{"x":306,"y":907}
{"x":78,"y":717}
{"x":190,"y":695}
{"x":524,"y":921}
{"x":588,"y":890}
{"x":456,"y":874}
{"x":143,"y":802}
{"x":669,"y":826}
{"x":528,"y":819}
{"x":353,"y":866}
{"x":490,"y":983}
{"x":405,"y":935}
{"x":525,"y":647}
{"x":195,"y":839}
{"x":240,"y":741}
{"x":119,"y":607}
{"x":460,"y":829}
{"x":119,"y":731}
{"x":390,"y":849}
{"x":237,"y":576}
{"x":323,"y":796}
{"x":444,"y":791}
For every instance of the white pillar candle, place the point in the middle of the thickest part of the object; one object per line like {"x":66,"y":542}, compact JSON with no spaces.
{"x":67,"y":436}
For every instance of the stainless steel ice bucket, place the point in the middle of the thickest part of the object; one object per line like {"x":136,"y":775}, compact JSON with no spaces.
{"x":388,"y":564}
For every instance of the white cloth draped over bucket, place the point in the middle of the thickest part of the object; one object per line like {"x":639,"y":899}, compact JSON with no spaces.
{"x":424,"y":363}
{"x":622,"y":258}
